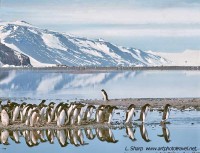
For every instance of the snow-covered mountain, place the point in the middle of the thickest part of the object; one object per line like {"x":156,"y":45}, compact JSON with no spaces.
{"x":9,"y":56}
{"x":49,"y":47}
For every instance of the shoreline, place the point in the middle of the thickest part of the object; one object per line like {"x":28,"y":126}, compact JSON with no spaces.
{"x":156,"y":103}
{"x":101,"y":69}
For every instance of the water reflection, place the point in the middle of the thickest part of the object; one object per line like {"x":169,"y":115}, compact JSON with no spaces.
{"x":144,"y":133}
{"x":76,"y":137}
{"x":166,"y":133}
{"x":46,"y":84}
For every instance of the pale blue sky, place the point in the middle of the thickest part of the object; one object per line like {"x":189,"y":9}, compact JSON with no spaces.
{"x":159,"y":25}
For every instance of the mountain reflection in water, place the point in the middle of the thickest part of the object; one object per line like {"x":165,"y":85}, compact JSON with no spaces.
{"x":68,"y":85}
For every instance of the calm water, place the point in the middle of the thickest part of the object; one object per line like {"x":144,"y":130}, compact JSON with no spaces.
{"x":35,"y":85}
{"x":128,"y":84}
{"x":182,"y":132}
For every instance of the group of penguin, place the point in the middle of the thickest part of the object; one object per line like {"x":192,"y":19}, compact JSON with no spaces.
{"x":64,"y":114}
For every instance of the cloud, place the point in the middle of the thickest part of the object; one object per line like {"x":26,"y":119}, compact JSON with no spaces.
{"x":178,"y":32}
{"x":103,"y":12}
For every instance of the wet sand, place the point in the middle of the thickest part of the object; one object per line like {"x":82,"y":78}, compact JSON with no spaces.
{"x":179,"y":103}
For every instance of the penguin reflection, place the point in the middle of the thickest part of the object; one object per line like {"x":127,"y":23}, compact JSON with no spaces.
{"x":105,"y":134}
{"x":143,"y":132}
{"x":166,"y":133}
{"x":14,"y":135}
{"x":50,"y":135}
{"x":4,"y":137}
{"x":130,"y":133}
{"x":89,"y":133}
{"x":62,"y":137}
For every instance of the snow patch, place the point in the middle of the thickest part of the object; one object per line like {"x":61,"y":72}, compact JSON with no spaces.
{"x":52,"y":41}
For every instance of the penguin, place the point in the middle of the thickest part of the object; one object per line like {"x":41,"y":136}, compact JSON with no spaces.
{"x":50,"y":111}
{"x":62,"y":115}
{"x":130,"y":133}
{"x":110,"y":112}
{"x":99,"y":116}
{"x":22,"y":106}
{"x":48,"y":116}
{"x":105,"y":95}
{"x":4,"y":117}
{"x":34,"y":117}
{"x":16,"y":112}
{"x":166,"y":113}
{"x":42,"y":107}
{"x":58,"y":107}
{"x":80,"y":115}
{"x":129,"y":113}
{"x":25,"y":111}
{"x":76,"y":114}
{"x":166,"y":133}
{"x":144,"y":111}
{"x":88,"y":113}
{"x":52,"y":106}
{"x":144,"y":133}
{"x":28,"y":114}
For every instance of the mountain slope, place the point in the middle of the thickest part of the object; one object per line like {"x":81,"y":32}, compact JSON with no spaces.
{"x":58,"y":48}
{"x":11,"y":57}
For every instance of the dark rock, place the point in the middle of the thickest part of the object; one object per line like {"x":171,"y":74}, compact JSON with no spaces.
{"x":12,"y":57}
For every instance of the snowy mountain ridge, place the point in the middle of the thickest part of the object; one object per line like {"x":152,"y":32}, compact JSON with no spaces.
{"x":49,"y":48}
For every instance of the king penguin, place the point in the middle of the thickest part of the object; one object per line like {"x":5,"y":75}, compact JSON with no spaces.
{"x":129,"y":113}
{"x":105,"y":95}
{"x":144,"y":111}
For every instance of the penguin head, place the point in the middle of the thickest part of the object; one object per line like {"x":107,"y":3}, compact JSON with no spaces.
{"x":42,"y":102}
{"x":101,"y":107}
{"x":51,"y":104}
{"x":9,"y":102}
{"x":102,"y":90}
{"x":114,"y":107}
{"x":91,"y":106}
{"x":22,"y":105}
{"x":131,"y":106}
{"x":147,"y":105}
{"x":168,"y":105}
